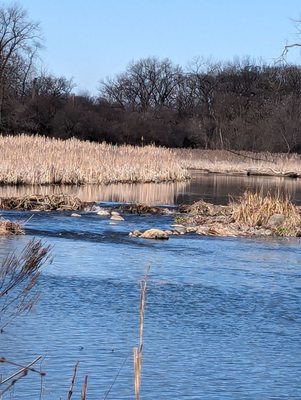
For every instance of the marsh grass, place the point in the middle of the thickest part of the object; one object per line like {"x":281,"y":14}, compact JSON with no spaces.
{"x":255,"y":209}
{"x":224,"y":161}
{"x":40,"y":160}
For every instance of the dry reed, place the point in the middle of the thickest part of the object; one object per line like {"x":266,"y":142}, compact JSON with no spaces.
{"x":224,"y":161}
{"x":40,"y":160}
{"x":22,"y":371}
{"x":137,"y":353}
{"x":10,"y":228}
{"x":254,"y":209}
{"x":42,"y":202}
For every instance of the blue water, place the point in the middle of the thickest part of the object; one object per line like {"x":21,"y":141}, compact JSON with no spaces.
{"x":222,"y":317}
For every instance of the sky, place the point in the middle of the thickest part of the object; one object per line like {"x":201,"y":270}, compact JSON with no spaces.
{"x":89,"y":40}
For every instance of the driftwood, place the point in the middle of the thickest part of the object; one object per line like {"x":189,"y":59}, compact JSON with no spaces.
{"x":142,"y":209}
{"x":42,"y":203}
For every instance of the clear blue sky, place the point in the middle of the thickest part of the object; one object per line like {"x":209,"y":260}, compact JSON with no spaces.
{"x":91,"y":39}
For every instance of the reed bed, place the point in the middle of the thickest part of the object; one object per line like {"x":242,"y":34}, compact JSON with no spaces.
{"x":224,"y":161}
{"x":40,"y":160}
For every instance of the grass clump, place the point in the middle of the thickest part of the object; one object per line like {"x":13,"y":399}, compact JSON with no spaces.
{"x":256,"y":210}
{"x":42,"y":202}
{"x":10,"y":228}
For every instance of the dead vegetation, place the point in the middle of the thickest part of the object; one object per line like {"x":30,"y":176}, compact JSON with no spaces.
{"x":18,"y":277}
{"x":140,"y":208}
{"x":10,"y":227}
{"x":242,"y":162}
{"x":253,"y":214}
{"x":40,"y":160}
{"x":256,"y":210}
{"x":42,"y":203}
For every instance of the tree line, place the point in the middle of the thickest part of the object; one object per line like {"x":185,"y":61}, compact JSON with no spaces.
{"x":240,"y":105}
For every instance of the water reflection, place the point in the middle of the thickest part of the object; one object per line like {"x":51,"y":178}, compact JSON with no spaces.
{"x":219,"y":188}
{"x":211,"y":187}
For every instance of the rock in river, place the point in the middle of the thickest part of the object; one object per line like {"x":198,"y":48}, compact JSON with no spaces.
{"x":75,"y":215}
{"x":276,"y":220}
{"x":103,"y":212}
{"x":117,"y":217}
{"x":155,"y":234}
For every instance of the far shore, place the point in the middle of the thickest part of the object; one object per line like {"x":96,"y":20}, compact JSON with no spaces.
{"x":241,"y":162}
{"x":37,"y":160}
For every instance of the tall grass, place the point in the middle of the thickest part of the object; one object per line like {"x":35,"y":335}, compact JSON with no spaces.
{"x":40,"y":160}
{"x":239,"y":162}
{"x":254,"y":209}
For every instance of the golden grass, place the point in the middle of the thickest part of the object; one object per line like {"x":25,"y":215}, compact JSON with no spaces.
{"x":254,"y":209}
{"x":39,"y":160}
{"x":10,"y":228}
{"x":42,"y":202}
{"x":223,"y":161}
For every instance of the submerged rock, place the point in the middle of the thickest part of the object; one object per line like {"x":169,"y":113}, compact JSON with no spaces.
{"x":102,"y":212}
{"x":75,"y":215}
{"x":115,"y":213}
{"x":117,"y":217}
{"x":135,"y":233}
{"x":155,"y":234}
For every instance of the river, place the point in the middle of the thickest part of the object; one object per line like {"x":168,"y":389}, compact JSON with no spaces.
{"x":222,"y":315}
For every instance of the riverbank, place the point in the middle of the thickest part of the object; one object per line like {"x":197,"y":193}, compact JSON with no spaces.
{"x":244,"y":163}
{"x":37,"y":160}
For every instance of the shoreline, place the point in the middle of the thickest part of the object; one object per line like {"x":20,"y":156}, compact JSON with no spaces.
{"x":292,"y":175}
{"x":252,"y":215}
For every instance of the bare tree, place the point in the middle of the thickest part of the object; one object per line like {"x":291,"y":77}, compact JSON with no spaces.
{"x":19,"y":39}
{"x":147,"y":84}
{"x":289,"y":46}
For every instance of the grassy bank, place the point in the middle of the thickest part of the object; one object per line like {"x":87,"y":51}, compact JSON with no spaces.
{"x":224,"y":161}
{"x":39,"y":160}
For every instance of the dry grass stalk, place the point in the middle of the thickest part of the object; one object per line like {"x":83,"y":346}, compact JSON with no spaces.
{"x":40,"y":160}
{"x":138,"y":350}
{"x":70,"y":392}
{"x":83,"y":395}
{"x":10,"y":228}
{"x":18,"y":277}
{"x":255,"y":209}
{"x":41,"y":202}
{"x":16,"y":376}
